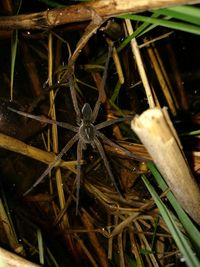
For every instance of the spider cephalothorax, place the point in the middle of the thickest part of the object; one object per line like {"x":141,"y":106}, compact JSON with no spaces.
{"x":87,"y":130}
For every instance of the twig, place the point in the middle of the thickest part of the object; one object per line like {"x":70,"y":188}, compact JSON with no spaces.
{"x":83,"y":12}
{"x":20,"y":147}
{"x":140,"y":65}
{"x":103,"y":261}
{"x":11,"y":259}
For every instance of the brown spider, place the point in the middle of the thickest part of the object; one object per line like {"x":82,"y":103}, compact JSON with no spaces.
{"x":86,"y":132}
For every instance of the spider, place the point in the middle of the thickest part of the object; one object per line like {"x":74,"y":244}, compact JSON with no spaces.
{"x":86,"y":133}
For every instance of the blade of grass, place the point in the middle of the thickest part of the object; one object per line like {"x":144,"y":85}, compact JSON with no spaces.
{"x":116,"y":92}
{"x":182,"y":244}
{"x":138,"y":32}
{"x":40,"y":246}
{"x":154,"y":233}
{"x":116,"y":108}
{"x":14,"y":41}
{"x":197,"y":132}
{"x":183,"y":217}
{"x":165,"y":23}
{"x":189,"y":14}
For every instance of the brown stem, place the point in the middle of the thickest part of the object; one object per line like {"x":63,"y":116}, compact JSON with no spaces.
{"x":83,"y":12}
{"x":103,"y":261}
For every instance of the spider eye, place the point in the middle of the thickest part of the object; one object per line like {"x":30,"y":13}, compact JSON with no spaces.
{"x":87,"y":112}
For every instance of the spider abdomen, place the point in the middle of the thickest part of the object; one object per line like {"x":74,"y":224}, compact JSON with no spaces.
{"x":87,"y":132}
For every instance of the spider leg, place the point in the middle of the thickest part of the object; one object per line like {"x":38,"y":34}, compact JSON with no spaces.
{"x":101,"y":88}
{"x":126,"y":152}
{"x":110,"y":122}
{"x":53,"y":164}
{"x":74,"y":100}
{"x":43,"y":119}
{"x":78,"y":176}
{"x":106,"y":163}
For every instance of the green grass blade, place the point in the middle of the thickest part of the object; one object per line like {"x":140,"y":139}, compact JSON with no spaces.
{"x":183,"y":217}
{"x":14,"y":41}
{"x":138,"y":32}
{"x":165,"y":23}
{"x":183,"y":245}
{"x":189,"y":14}
{"x":197,"y":132}
{"x":116,"y":92}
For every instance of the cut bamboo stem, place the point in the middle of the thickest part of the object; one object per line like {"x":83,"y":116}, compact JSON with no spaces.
{"x":158,"y":135}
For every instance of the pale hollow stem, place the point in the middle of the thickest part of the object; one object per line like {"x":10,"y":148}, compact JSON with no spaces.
{"x":156,"y":132}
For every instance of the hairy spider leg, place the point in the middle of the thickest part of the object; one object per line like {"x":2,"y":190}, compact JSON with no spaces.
{"x":101,"y":88}
{"x":46,"y":120}
{"x":74,"y":99}
{"x":106,"y":163}
{"x":111,"y":122}
{"x":53,"y":164}
{"x":111,"y":143}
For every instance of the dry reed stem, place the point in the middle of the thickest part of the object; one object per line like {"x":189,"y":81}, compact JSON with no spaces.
{"x":165,"y":76}
{"x":182,"y":97}
{"x":59,"y":181}
{"x":146,"y":244}
{"x":117,"y":62}
{"x":12,"y":144}
{"x":161,"y":76}
{"x":83,"y":12}
{"x":103,"y":261}
{"x":86,"y":251}
{"x":134,"y":248}
{"x":8,"y":228}
{"x":121,"y":250}
{"x":125,"y":223}
{"x":140,"y":65}
{"x":9,"y":259}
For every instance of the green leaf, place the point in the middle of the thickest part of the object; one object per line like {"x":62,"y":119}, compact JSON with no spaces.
{"x":165,"y":23}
